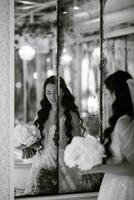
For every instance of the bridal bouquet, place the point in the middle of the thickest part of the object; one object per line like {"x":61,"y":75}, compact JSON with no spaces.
{"x":84,"y":153}
{"x":26,"y":137}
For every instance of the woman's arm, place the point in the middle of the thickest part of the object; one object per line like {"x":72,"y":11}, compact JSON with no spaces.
{"x":125,"y":169}
{"x":125,"y":131}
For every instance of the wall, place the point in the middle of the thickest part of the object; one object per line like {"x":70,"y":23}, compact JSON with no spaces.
{"x":20,"y":175}
{"x":6,"y":84}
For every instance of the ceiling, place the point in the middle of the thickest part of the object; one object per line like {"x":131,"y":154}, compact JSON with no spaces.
{"x":118,"y":16}
{"x":35,"y":11}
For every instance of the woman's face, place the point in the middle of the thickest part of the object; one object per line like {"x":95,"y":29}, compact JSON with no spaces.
{"x":51,"y":93}
{"x":110,"y":96}
{"x":110,"y":99}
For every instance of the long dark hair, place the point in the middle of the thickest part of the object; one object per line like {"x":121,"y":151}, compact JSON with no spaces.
{"x":68,"y":102}
{"x":116,"y":83}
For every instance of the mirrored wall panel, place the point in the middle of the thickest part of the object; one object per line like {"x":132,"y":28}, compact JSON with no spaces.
{"x":57,"y":93}
{"x":80,"y":52}
{"x":35,"y":61}
{"x":64,"y":49}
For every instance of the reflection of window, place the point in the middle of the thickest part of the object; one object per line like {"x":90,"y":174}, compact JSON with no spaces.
{"x":91,"y":81}
{"x":67,"y":76}
{"x":84,"y":73}
{"x":36,"y":71}
{"x":89,"y":101}
{"x":92,"y":103}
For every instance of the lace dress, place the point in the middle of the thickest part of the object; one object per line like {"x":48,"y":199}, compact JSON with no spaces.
{"x":46,"y":177}
{"x":117,"y":187}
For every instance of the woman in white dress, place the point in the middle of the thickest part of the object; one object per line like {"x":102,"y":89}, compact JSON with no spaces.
{"x":118,"y":169}
{"x":48,"y":174}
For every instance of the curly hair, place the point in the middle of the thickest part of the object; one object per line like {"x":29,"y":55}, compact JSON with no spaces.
{"x":67,"y":101}
{"x":116,"y":83}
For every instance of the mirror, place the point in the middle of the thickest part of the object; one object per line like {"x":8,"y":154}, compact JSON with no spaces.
{"x":35,"y":60}
{"x":79,"y":56}
{"x":66,"y":42}
{"x":36,"y":53}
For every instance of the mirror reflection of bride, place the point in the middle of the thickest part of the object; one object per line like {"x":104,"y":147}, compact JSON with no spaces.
{"x":46,"y":177}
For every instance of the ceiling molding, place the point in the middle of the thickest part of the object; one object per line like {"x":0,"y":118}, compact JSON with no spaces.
{"x":26,"y":2}
{"x":108,"y":35}
{"x":110,"y":20}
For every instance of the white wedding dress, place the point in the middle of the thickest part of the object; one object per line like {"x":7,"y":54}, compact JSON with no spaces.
{"x":69,"y":180}
{"x":119,"y":187}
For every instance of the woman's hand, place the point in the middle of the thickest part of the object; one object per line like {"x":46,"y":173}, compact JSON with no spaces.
{"x":36,"y":146}
{"x":124,"y":169}
{"x":95,"y":169}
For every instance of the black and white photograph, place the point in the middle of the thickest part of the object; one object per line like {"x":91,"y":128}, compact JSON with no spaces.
{"x":67,"y":99}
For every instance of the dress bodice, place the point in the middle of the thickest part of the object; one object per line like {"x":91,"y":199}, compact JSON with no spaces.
{"x":49,"y":131}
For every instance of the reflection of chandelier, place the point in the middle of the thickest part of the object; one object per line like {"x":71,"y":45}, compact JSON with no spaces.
{"x":95,"y":56}
{"x":27,"y":52}
{"x":92,"y":103}
{"x":38,"y":44}
{"x":66,"y":58}
{"x":50,"y":72}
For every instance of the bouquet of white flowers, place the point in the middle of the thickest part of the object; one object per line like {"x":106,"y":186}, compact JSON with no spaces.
{"x":26,"y":138}
{"x":84,"y":152}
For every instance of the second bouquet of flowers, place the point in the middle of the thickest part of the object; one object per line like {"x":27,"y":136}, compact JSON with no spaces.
{"x":84,"y":153}
{"x":26,"y":138}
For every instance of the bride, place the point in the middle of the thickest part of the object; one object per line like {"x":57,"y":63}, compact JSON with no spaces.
{"x":48,"y":174}
{"x":118,"y":181}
